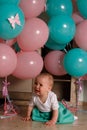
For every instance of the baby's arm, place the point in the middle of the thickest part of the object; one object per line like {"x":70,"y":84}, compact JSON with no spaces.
{"x":54,"y":118}
{"x":29,"y":111}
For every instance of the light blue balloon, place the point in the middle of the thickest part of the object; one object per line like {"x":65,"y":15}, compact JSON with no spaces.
{"x":75,"y":62}
{"x":51,"y":44}
{"x":56,"y":7}
{"x":82,"y":7}
{"x":62,"y":28}
{"x":6,"y":29}
{"x":9,"y":2}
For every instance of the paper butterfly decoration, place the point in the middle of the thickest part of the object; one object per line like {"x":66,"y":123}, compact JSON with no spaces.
{"x":14,"y":20}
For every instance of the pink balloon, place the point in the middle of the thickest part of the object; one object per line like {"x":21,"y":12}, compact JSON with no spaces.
{"x":81,"y":35}
{"x":77,"y":18}
{"x":8,"y":60}
{"x":32,"y":8}
{"x":53,"y":63}
{"x":34,"y":35}
{"x":29,"y":65}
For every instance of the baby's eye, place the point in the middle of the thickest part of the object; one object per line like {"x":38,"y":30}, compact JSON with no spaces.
{"x":41,"y":85}
{"x":35,"y":83}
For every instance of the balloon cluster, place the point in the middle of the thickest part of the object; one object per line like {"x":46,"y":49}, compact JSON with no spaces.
{"x":20,"y":24}
{"x":75,"y":60}
{"x":11,"y":24}
{"x":62,"y":30}
{"x":66,"y":25}
{"x":61,"y":25}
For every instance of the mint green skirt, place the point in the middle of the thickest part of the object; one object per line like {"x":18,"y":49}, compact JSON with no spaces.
{"x":64,"y":117}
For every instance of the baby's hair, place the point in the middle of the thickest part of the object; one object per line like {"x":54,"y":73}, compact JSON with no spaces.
{"x":47,"y":75}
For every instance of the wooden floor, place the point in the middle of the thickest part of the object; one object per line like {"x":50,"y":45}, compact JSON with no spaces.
{"x":16,"y":123}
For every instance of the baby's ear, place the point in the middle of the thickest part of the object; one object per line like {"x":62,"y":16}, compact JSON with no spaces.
{"x":50,"y":88}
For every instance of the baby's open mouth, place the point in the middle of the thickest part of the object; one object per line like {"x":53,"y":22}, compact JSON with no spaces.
{"x":37,"y":91}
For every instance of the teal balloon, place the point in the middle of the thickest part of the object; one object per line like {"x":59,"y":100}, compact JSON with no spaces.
{"x":6,"y":29}
{"x":56,"y":7}
{"x":75,"y":62}
{"x":62,"y":28}
{"x":9,"y":2}
{"x":51,"y":44}
{"x":82,"y":7}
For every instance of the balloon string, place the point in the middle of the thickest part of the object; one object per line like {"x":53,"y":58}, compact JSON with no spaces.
{"x":65,"y":50}
{"x":78,"y":82}
{"x":8,"y":106}
{"x":79,"y":89}
{"x":5,"y":87}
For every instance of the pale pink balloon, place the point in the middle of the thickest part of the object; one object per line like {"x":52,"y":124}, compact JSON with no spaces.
{"x":53,"y":63}
{"x":32,"y":8}
{"x":81,"y":35}
{"x":8,"y":60}
{"x":8,"y":42}
{"x":29,"y":65}
{"x":34,"y":35}
{"x":77,"y":17}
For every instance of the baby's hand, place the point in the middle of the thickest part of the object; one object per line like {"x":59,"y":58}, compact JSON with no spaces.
{"x":50,"y":122}
{"x":27,"y":118}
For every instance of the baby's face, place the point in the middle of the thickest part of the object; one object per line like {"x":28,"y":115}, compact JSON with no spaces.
{"x":42,"y":86}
